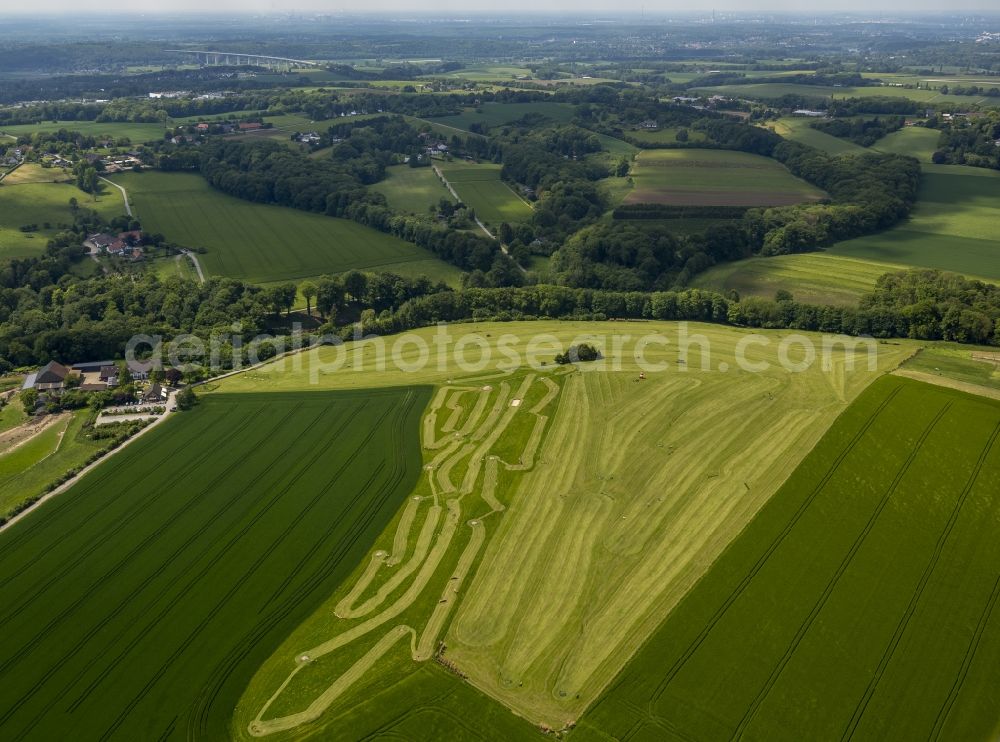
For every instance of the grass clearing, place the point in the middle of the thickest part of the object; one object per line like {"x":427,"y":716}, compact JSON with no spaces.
{"x":952,"y":227}
{"x":798,"y":130}
{"x":412,"y":189}
{"x":479,"y":186}
{"x":715,"y":178}
{"x":914,"y":141}
{"x":265,"y":243}
{"x":869,"y":582}
{"x":138,"y":604}
{"x":604,"y":503}
{"x":666,"y":135}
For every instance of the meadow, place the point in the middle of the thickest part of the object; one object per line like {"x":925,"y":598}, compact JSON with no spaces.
{"x":715,"y":178}
{"x":412,"y":190}
{"x":593,"y":507}
{"x":914,"y":141}
{"x":813,"y":278}
{"x":868,"y":585}
{"x":266,"y":243}
{"x":138,"y":604}
{"x":25,"y":471}
{"x":479,"y":186}
{"x":666,"y":135}
{"x":952,"y":227}
{"x":39,"y":203}
{"x":137,"y":133}
{"x":797,"y":129}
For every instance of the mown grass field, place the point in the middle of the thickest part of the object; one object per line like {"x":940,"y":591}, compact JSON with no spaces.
{"x":813,"y":278}
{"x":498,"y":114}
{"x":914,"y":141}
{"x":715,"y":178}
{"x":595,"y":509}
{"x":25,"y":471}
{"x":667,"y":135}
{"x":479,"y":186}
{"x":38,"y":203}
{"x":34,"y":173}
{"x":139,"y":604}
{"x":798,"y":129}
{"x":861,"y":602}
{"x":138,"y":133}
{"x":412,"y":189}
{"x":979,"y":366}
{"x":952,"y":227}
{"x":265,"y":243}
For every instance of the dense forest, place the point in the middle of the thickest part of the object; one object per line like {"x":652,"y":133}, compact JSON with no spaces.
{"x":972,"y":142}
{"x":864,"y":132}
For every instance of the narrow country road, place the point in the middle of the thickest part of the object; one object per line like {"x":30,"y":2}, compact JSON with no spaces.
{"x":128,"y":206}
{"x":451,"y":189}
{"x":197,"y":265}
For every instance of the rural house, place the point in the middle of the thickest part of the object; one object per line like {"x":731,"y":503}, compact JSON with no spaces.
{"x":51,"y":376}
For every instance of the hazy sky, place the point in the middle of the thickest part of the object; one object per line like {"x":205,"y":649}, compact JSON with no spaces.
{"x":460,"y":7}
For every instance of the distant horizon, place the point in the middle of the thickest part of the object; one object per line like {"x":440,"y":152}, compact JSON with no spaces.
{"x":448,"y":10}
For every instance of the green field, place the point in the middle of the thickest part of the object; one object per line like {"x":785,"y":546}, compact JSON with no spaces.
{"x":953,"y":227}
{"x":765,"y":91}
{"x":915,"y":141}
{"x":138,"y":133}
{"x":593,"y":507}
{"x":798,"y":129}
{"x":667,"y":135}
{"x":38,"y":203}
{"x":479,"y":186}
{"x":412,"y":189}
{"x":959,"y":363}
{"x":812,"y":278}
{"x":28,"y":469}
{"x":497,"y":114}
{"x":860,"y":603}
{"x":265,"y":243}
{"x":705,"y":177}
{"x":139,"y":604}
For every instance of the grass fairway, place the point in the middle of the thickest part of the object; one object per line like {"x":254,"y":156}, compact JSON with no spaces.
{"x":861,"y":602}
{"x":138,"y":133}
{"x":592,"y":501}
{"x":262,"y":243}
{"x":479,"y":186}
{"x":41,"y":203}
{"x":702,"y":177}
{"x":953,"y":227}
{"x":813,"y":278}
{"x":412,"y":189}
{"x":139,"y":604}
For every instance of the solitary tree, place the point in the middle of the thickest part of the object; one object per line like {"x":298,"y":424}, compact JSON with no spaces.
{"x":309,"y":290}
